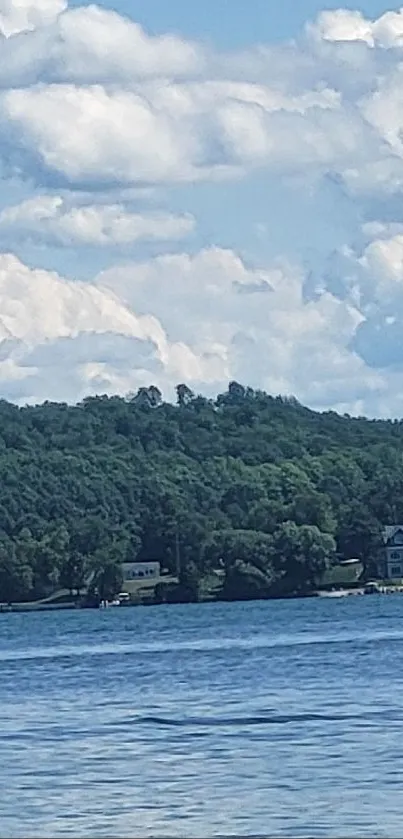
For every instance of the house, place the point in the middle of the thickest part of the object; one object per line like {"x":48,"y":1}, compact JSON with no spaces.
{"x":393,"y":558}
{"x":140,"y":571}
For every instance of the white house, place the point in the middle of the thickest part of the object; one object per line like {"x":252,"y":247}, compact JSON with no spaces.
{"x":393,"y":541}
{"x":140,"y":570}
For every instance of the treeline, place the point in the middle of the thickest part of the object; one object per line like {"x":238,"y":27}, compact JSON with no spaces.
{"x":262,"y":488}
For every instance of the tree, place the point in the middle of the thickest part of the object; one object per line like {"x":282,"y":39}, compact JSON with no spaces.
{"x":257,"y":481}
{"x":314,"y":508}
{"x":189,"y":579}
{"x":359,"y":536}
{"x":73,"y":573}
{"x":247,"y":557}
{"x":302,"y":555}
{"x":15,"y":575}
{"x":184,"y":395}
{"x":108,"y":580}
{"x":148,"y":397}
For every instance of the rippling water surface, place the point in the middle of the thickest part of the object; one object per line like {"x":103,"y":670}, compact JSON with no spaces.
{"x":276,"y":718}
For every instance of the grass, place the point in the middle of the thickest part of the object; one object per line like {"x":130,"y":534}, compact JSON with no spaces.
{"x":142,"y":590}
{"x":135,"y":586}
{"x":210,"y":586}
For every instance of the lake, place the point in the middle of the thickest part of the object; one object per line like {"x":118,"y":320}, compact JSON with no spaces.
{"x":279,"y":718}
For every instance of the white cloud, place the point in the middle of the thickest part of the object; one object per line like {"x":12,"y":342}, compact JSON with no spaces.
{"x":92,"y":100}
{"x":349,"y":25}
{"x":201,"y":319}
{"x":52,"y":219}
{"x":342,"y":25}
{"x":95,"y":42}
{"x":38,"y":305}
{"x":90,"y":44}
{"x":92,"y":106}
{"x":383,"y":258}
{"x":256,"y":321}
{"x":24,"y":15}
{"x":70,"y":338}
{"x":90,"y":134}
{"x":372,"y":276}
{"x":174,"y":132}
{"x":378,"y":267}
{"x":383,"y":109}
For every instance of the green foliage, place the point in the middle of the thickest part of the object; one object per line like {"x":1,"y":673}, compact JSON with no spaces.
{"x":107,"y":580}
{"x":303,"y":554}
{"x":260,"y":488}
{"x":342,"y":575}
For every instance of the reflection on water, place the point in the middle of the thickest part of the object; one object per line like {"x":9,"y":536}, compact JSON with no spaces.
{"x":279,"y":719}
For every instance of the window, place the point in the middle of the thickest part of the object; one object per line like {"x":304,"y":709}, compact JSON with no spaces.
{"x":396,"y":571}
{"x":395,"y":555}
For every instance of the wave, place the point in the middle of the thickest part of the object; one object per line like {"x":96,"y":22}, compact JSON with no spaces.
{"x":246,"y":721}
{"x":204,"y":645}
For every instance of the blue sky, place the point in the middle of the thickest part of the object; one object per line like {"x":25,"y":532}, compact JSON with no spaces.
{"x":234,"y":24}
{"x":202,"y":192}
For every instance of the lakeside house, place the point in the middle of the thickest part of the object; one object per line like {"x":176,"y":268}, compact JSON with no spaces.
{"x":141,"y":570}
{"x":140,"y":580}
{"x":392,"y":565}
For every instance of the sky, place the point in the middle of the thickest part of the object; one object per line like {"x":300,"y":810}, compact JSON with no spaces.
{"x":200,"y":193}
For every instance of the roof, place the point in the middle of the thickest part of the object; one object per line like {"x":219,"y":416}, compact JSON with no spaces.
{"x":349,"y":561}
{"x":140,"y":563}
{"x":390,"y":530}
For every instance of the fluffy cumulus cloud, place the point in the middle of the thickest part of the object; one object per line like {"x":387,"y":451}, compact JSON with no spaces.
{"x":349,"y":25}
{"x":26,"y":15}
{"x":62,"y":335}
{"x":88,"y":97}
{"x":201,"y":319}
{"x":52,"y":219}
{"x":163,"y":132}
{"x":254,"y":325}
{"x":88,"y":44}
{"x":93,"y":109}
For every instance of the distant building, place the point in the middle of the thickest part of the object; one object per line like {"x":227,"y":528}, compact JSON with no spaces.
{"x":393,"y":542}
{"x":140,"y":571}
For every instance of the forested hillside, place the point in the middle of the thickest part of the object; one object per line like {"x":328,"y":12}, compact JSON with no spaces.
{"x":261,"y":487}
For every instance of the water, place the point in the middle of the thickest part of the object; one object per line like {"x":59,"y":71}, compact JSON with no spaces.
{"x":278,"y":718}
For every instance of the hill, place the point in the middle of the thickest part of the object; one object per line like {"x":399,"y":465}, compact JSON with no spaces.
{"x":261,"y":487}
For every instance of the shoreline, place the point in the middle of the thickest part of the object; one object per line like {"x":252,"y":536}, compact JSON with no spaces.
{"x":6,"y":608}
